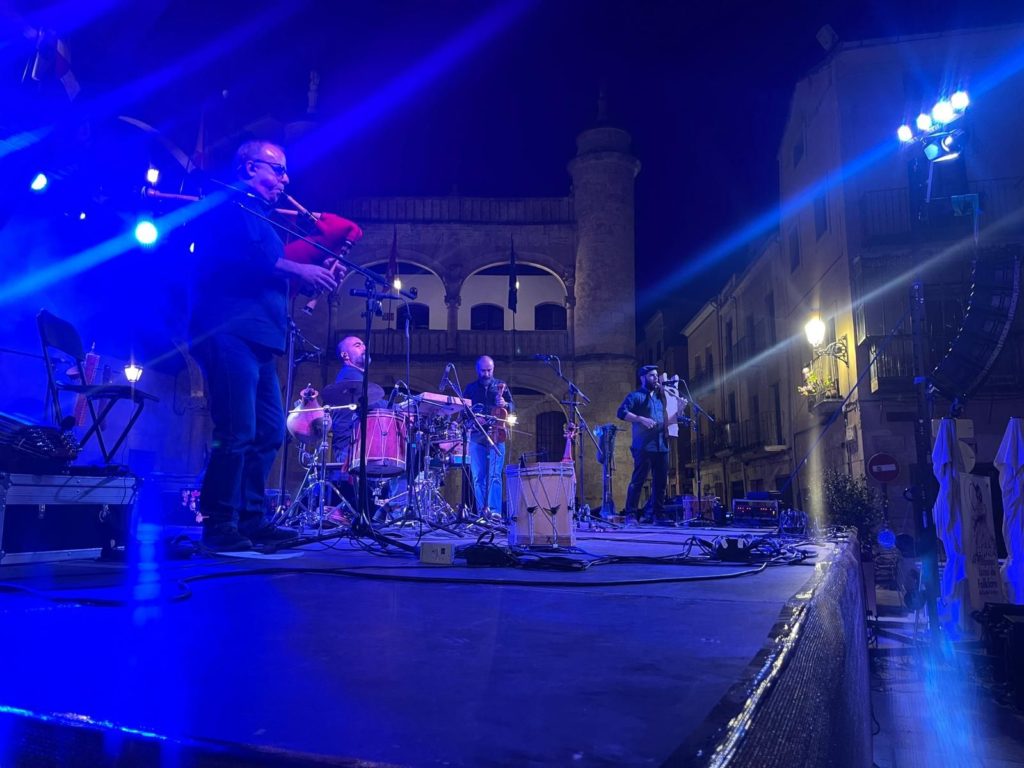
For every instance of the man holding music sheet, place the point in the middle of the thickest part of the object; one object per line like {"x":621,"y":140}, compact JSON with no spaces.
{"x":644,"y":408}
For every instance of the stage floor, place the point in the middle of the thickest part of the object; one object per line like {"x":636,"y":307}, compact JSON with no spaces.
{"x":344,"y":654}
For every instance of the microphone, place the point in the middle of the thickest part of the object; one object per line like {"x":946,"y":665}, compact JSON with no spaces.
{"x":545,"y":358}
{"x":444,"y":378}
{"x":393,"y":395}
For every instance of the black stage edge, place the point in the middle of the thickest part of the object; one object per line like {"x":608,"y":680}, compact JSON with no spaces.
{"x":805,"y":699}
{"x":300,"y":660}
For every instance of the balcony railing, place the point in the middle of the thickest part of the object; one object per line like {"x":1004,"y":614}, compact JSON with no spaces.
{"x":433,"y":344}
{"x":551,"y":210}
{"x":887,"y":215}
{"x":893,"y":369}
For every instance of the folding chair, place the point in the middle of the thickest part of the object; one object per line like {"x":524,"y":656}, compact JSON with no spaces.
{"x":60,"y":335}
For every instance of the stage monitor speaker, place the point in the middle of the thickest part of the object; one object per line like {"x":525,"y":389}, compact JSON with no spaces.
{"x":987,"y":321}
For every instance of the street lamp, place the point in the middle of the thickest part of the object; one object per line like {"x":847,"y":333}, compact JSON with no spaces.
{"x":815,"y":330}
{"x":133,"y":372}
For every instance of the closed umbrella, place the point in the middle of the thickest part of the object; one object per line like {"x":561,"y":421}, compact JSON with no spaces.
{"x":1010,"y":463}
{"x":947,"y":465}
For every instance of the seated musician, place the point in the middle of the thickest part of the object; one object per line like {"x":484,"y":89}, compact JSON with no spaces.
{"x":352,"y":353}
{"x":487,"y":456}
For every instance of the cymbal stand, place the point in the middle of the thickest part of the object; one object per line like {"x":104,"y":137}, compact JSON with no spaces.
{"x":424,"y":504}
{"x":295,"y":358}
{"x":308,"y":508}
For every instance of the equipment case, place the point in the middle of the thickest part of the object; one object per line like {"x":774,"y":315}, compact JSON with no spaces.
{"x":61,"y":517}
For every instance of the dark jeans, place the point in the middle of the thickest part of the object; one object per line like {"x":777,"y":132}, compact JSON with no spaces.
{"x":643,"y":462}
{"x":248,"y":428}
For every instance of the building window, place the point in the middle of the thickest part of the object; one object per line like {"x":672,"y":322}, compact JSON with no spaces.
{"x":550,"y":435}
{"x":549,"y":317}
{"x":769,"y":309}
{"x":419,"y":316}
{"x":732,"y":407}
{"x":820,"y":216}
{"x":794,"y":249}
{"x":487,"y":317}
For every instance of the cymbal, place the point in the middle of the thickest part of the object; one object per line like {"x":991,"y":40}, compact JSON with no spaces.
{"x":349,"y":392}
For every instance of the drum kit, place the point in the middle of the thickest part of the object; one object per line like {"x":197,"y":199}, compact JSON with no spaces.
{"x":412,"y":446}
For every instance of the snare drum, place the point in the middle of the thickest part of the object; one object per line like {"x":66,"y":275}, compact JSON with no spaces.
{"x":385,"y":444}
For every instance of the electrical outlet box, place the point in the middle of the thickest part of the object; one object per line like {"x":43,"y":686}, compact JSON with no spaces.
{"x":437,"y":552}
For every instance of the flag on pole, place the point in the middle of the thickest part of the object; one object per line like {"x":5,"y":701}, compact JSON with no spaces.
{"x":513,"y":280}
{"x":52,"y":60}
{"x":392,"y":272}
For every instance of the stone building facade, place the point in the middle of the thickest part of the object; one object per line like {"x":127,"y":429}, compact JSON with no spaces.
{"x":576,"y":298}
{"x":861,"y":219}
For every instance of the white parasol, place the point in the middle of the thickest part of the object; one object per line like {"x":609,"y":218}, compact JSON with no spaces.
{"x":1010,"y":463}
{"x":947,"y":464}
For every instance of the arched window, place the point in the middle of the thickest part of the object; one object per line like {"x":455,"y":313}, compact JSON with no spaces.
{"x":549,"y":317}
{"x":419,"y":314}
{"x":487,"y":317}
{"x":550,"y":436}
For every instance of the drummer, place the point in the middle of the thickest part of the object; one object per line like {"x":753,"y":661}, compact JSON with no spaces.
{"x":352,"y":353}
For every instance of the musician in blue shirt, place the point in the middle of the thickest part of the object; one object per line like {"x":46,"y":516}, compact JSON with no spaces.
{"x":644,"y":408}
{"x":238,"y":327}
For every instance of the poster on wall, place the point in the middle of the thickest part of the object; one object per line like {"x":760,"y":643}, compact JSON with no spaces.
{"x":979,"y":532}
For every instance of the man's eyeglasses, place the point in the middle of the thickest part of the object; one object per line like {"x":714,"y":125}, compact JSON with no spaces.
{"x":279,"y":170}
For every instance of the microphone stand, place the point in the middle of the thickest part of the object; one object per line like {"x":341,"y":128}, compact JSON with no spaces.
{"x":294,"y":360}
{"x":697,"y":413}
{"x":576,"y":398}
{"x":374,"y":306}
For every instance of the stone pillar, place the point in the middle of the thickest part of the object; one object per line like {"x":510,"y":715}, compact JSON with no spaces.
{"x":603,"y":318}
{"x":452,"y":300}
{"x":603,"y":174}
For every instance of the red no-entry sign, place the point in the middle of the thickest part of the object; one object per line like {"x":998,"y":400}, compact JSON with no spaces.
{"x":883,"y":467}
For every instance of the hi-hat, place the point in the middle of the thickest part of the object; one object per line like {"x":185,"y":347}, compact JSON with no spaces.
{"x":349,"y":392}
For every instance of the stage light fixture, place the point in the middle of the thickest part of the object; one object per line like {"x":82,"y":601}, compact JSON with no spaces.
{"x":152,"y":175}
{"x":924,"y":122}
{"x":146,"y":232}
{"x":943,"y":112}
{"x":133,"y":372}
{"x":397,"y":283}
{"x":39,"y":182}
{"x":81,"y":216}
{"x":960,"y":100}
{"x":905,"y":134}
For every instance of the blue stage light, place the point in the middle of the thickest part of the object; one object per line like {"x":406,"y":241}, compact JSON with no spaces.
{"x":943,"y":112}
{"x":924,"y":122}
{"x":39,"y":182}
{"x":959,"y":101}
{"x":146,"y":232}
{"x":886,"y":538}
{"x":905,"y":134}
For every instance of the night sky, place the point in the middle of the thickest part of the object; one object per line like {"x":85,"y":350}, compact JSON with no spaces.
{"x":484,"y":98}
